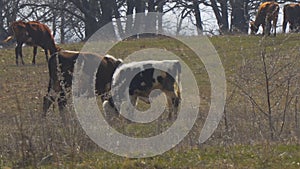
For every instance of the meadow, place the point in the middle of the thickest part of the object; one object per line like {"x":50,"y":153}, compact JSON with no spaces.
{"x":259,"y":129}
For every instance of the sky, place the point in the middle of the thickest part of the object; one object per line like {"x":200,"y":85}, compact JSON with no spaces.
{"x":210,"y":23}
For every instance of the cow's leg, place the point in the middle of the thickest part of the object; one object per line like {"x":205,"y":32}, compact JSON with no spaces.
{"x":46,"y":54}
{"x":53,"y":89}
{"x":268,"y":28}
{"x":48,"y":101}
{"x":17,"y":54}
{"x":62,"y":102}
{"x":34,"y":54}
{"x":275,"y":25}
{"x":284,"y":25}
{"x":131,"y":108}
{"x":295,"y":28}
{"x":264,"y":29}
{"x":291,"y":27}
{"x":173,"y":102}
{"x":49,"y":98}
{"x":18,"y":51}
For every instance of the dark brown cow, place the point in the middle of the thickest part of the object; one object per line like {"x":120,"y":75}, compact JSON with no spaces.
{"x":32,"y":33}
{"x":61,"y":68}
{"x":267,"y":13}
{"x":291,"y":15}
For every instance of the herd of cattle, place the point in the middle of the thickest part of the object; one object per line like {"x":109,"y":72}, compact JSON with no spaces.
{"x":61,"y":68}
{"x":268,"y":14}
{"x":61,"y":63}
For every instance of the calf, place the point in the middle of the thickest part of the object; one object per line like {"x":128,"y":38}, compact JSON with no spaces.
{"x":267,"y":13}
{"x":136,"y":80}
{"x":291,"y":15}
{"x":32,"y":33}
{"x":61,"y":68}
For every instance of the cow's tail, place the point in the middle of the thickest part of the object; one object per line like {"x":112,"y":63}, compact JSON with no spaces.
{"x":8,"y":39}
{"x":178,"y":84}
{"x":275,"y":11}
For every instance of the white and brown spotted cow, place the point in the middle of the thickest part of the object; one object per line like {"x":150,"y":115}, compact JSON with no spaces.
{"x":135,"y":81}
{"x":267,"y":13}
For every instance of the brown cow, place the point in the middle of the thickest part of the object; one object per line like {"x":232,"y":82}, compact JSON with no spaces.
{"x":291,"y":15}
{"x":61,"y":68}
{"x":32,"y":33}
{"x":267,"y":13}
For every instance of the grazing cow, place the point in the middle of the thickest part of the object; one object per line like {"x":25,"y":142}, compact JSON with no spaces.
{"x":142,"y":78}
{"x":61,"y":68}
{"x":32,"y":33}
{"x":291,"y":15}
{"x":267,"y":13}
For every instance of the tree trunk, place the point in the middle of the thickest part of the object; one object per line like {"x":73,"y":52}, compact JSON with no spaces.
{"x":2,"y":30}
{"x":90,"y":26}
{"x":89,"y":9}
{"x":138,"y":22}
{"x":54,"y":21}
{"x":106,"y":18}
{"x":159,"y":19}
{"x":197,"y":16}
{"x":62,"y":23}
{"x":117,"y":17}
{"x":221,"y":16}
{"x":224,"y":11}
{"x":129,"y":20}
{"x":239,"y":16}
{"x":150,"y":25}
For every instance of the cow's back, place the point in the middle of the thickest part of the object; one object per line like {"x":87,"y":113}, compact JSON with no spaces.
{"x":40,"y":34}
{"x":291,"y":12}
{"x":267,"y":9}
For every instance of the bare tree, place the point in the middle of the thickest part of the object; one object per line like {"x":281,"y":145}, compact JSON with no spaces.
{"x":239,"y":16}
{"x":269,"y":83}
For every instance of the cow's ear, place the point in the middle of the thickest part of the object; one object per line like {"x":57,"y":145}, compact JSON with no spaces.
{"x":119,"y":62}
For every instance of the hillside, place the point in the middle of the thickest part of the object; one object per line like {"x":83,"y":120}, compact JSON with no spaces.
{"x":259,"y":129}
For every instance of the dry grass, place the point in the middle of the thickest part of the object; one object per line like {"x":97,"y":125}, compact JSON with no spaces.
{"x":242,"y":139}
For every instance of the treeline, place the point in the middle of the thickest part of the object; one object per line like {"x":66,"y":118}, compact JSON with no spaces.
{"x":77,"y":20}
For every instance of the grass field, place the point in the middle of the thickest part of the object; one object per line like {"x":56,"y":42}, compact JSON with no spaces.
{"x":260,"y":127}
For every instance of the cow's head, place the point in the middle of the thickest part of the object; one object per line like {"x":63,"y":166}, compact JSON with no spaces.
{"x":109,"y":108}
{"x":19,"y":29}
{"x":253,"y":27}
